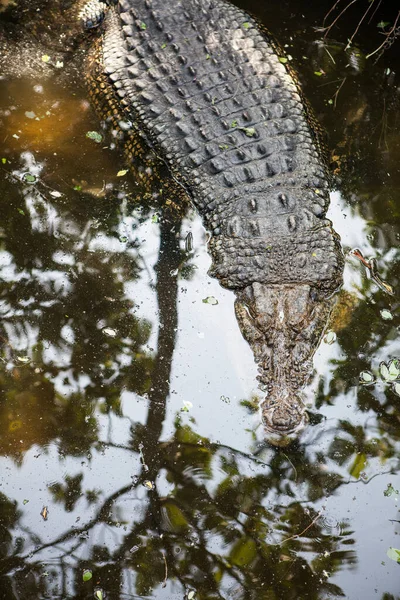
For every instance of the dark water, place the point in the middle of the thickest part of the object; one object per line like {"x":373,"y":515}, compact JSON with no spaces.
{"x":125,"y":445}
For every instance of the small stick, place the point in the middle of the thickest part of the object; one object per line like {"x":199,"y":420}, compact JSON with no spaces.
{"x":304,"y":530}
{"x":164,"y":584}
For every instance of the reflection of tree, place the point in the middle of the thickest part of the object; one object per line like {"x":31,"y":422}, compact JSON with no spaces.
{"x":217,"y":529}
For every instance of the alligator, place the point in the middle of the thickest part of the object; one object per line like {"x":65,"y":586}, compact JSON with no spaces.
{"x":203,"y":88}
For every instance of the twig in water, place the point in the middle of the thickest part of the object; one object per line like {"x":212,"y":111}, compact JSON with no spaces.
{"x":387,"y":36}
{"x":359,"y":23}
{"x":164,"y":584}
{"x":297,"y":535}
{"x":336,"y":94}
{"x":338,"y":17}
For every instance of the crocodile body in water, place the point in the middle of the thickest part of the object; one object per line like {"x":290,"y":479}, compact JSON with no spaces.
{"x":201,"y":84}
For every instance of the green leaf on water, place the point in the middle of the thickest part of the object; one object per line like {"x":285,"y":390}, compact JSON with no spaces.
{"x":246,"y":25}
{"x":383,"y":24}
{"x":45,"y":58}
{"x":99,"y":594}
{"x":87,"y":575}
{"x":4,"y":160}
{"x":394,"y":369}
{"x":95,"y":136}
{"x":210,"y":300}
{"x":386,"y":315}
{"x":29,"y":178}
{"x":122,"y":172}
{"x":191,"y":595}
{"x":330,"y":338}
{"x":143,"y":26}
{"x":283,"y":60}
{"x":394,"y":554}
{"x":249,"y":131}
{"x":21,"y":212}
{"x":164,"y":45}
{"x":366,"y":377}
{"x":78,"y":188}
{"x":154,"y":218}
{"x":318,"y":73}
{"x":384,"y":371}
{"x":234,"y":123}
{"x":390,"y":491}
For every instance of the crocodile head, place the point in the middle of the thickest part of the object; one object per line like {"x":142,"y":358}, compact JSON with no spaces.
{"x":283,"y":325}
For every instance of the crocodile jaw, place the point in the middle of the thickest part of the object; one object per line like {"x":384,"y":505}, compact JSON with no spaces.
{"x":283,"y":325}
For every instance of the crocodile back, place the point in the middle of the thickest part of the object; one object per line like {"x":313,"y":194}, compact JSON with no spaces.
{"x":207,"y":89}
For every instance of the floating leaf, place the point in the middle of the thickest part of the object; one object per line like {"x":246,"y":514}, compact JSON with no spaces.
{"x":4,"y":160}
{"x":154,"y":218}
{"x":87,"y":575}
{"x":384,"y":371}
{"x":148,"y":484}
{"x":59,"y":64}
{"x":78,"y":188}
{"x":25,"y":502}
{"x":99,"y":594}
{"x":143,"y":26}
{"x":110,"y":332}
{"x":386,"y":315}
{"x":191,"y":595}
{"x":95,"y":136}
{"x":330,"y":338}
{"x":246,"y":25}
{"x":44,"y":513}
{"x":394,"y":554}
{"x":45,"y":58}
{"x":249,"y":131}
{"x":23,"y":359}
{"x":318,"y":73}
{"x":122,"y":172}
{"x":21,"y":212}
{"x":55,"y":194}
{"x":29,"y":178}
{"x":390,"y":491}
{"x":396,"y":388}
{"x":234,"y":123}
{"x":187,"y":405}
{"x":366,"y":377}
{"x":383,"y":24}
{"x":210,"y":300}
{"x":283,"y":59}
{"x":394,"y":369}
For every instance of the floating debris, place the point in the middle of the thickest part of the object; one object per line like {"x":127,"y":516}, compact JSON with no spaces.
{"x":386,"y":315}
{"x":44,"y":513}
{"x":87,"y":575}
{"x":394,"y":554}
{"x":189,"y":242}
{"x":210,"y":300}
{"x":122,"y":172}
{"x":372,"y":269}
{"x":390,"y":491}
{"x":95,"y":136}
{"x":112,"y":333}
{"x":28,"y":178}
{"x":148,"y":484}
{"x":23,"y":359}
{"x":330,"y":338}
{"x":366,"y":377}
{"x":187,"y":405}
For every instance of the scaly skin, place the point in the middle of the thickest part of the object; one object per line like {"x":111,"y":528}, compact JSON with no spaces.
{"x":200,"y":82}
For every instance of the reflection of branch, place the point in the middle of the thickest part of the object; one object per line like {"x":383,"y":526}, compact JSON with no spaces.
{"x":297,"y":535}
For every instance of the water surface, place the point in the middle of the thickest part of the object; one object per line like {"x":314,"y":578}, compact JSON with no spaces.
{"x":127,"y":446}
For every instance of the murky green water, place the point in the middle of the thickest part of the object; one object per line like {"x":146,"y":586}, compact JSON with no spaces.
{"x":125,"y":445}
